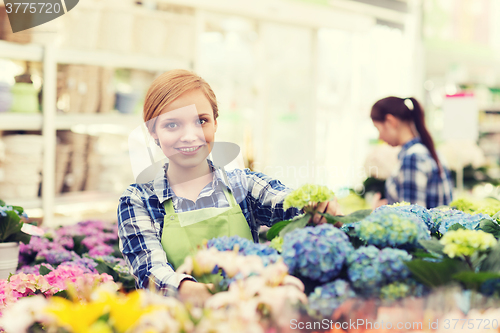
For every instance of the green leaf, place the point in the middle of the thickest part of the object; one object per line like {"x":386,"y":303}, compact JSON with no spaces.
{"x":63,"y":294}
{"x":436,"y":274}
{"x":2,"y":203}
{"x":473,"y":280}
{"x":19,"y":237}
{"x":497,"y":214}
{"x":44,"y":270}
{"x":276,"y":228}
{"x":351,"y":218}
{"x":492,"y":262}
{"x":294,"y":224}
{"x":456,"y":226}
{"x":419,"y":253}
{"x":9,"y":225}
{"x":489,"y":226}
{"x":104,"y":267}
{"x":433,"y":246}
{"x":78,"y":247}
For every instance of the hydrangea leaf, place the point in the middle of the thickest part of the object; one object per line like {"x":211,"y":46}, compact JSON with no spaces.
{"x":295,"y":224}
{"x":10,"y":224}
{"x":351,"y":218}
{"x":276,"y":229}
{"x":433,"y":246}
{"x":473,"y":280}
{"x":492,"y":262}
{"x":456,"y":226}
{"x":490,"y":227}
{"x":434,"y":274}
{"x":44,"y":270}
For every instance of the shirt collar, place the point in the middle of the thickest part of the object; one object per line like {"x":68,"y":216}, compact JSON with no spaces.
{"x":407,"y":146}
{"x":164,"y":192}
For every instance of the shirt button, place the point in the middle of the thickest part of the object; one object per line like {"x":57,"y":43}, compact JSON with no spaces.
{"x":172,"y":217}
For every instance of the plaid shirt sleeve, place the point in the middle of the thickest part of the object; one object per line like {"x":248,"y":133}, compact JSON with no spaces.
{"x":140,"y":243}
{"x":266,"y":196}
{"x":413,"y":179}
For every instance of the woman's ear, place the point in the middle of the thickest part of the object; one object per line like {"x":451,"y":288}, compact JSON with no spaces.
{"x":391,"y":120}
{"x":215,"y":125}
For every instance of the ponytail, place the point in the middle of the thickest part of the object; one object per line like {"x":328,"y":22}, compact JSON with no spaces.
{"x":406,"y":109}
{"x":425,"y":137}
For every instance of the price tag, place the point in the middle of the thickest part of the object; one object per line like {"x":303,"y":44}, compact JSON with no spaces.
{"x":32,"y":230}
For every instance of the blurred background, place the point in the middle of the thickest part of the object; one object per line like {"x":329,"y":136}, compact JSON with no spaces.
{"x":295,"y":81}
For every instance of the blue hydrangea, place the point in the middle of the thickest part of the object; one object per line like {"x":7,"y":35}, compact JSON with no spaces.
{"x":317,"y":252}
{"x":419,"y":211}
{"x":246,"y":248}
{"x":391,"y":227}
{"x":325,"y":299}
{"x":468,"y":221}
{"x":369,"y":268}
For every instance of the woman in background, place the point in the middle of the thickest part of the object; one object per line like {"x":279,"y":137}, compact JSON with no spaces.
{"x":420,"y":178}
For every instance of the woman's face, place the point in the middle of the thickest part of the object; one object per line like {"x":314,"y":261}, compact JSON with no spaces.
{"x":186,"y":129}
{"x":387,"y":132}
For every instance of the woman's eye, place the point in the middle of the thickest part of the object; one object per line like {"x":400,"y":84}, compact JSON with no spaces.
{"x":171,"y":125}
{"x":201,"y":121}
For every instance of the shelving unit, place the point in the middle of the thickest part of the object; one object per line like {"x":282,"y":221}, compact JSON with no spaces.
{"x":49,"y":122}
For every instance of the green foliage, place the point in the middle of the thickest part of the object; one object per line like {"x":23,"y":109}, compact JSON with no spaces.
{"x":456,"y":226}
{"x":44,"y":270}
{"x":473,"y":280}
{"x":490,"y":227}
{"x":78,"y":247}
{"x":351,"y":218}
{"x":11,"y":224}
{"x":300,"y":222}
{"x":433,"y":246}
{"x":276,"y":229}
{"x":126,"y":280}
{"x":435,"y":274}
{"x":492,"y":262}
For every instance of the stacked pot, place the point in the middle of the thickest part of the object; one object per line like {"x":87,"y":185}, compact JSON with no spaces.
{"x":21,"y":166}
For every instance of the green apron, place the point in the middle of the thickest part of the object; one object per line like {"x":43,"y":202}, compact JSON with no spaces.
{"x":183,"y":232}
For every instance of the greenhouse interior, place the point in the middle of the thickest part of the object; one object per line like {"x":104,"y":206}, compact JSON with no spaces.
{"x":151,"y":188}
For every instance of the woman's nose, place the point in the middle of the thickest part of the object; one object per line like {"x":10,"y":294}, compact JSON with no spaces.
{"x":192,"y":133}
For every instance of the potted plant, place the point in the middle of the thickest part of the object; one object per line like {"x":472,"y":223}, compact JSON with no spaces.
{"x":11,"y":234}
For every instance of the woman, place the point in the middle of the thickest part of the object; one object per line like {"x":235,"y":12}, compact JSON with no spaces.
{"x":420,"y":178}
{"x":161,"y":221}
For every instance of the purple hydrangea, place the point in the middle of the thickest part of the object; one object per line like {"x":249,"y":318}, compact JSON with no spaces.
{"x":316,"y":252}
{"x":101,"y":250}
{"x":55,"y":257}
{"x":34,"y":269}
{"x":87,"y":265}
{"x":445,"y":219}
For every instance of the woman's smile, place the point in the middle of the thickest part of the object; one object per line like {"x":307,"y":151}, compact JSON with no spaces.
{"x":189,"y":150}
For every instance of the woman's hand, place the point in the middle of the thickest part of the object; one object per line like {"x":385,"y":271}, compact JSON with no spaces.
{"x":330,"y":207}
{"x":377,"y":201}
{"x":194,"y":292}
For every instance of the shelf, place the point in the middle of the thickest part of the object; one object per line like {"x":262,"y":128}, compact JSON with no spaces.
{"x":34,"y":52}
{"x":21,"y":121}
{"x":33,"y":122}
{"x":85,"y":198}
{"x":31,"y":52}
{"x":69,"y":121}
{"x":117,"y":60}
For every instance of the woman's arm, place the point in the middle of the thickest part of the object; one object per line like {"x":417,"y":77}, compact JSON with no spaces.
{"x":140,"y":244}
{"x":267,"y":195}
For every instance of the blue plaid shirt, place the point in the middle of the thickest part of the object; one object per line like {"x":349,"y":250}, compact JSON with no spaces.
{"x":418,"y":180}
{"x":141,"y":213}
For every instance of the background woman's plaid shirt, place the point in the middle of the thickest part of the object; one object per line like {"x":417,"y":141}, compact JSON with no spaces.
{"x":419,"y":180}
{"x":141,"y":214}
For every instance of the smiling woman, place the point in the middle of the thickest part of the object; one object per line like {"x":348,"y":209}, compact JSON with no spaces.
{"x":191,"y":200}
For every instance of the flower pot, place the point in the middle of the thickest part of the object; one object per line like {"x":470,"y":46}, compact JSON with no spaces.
{"x":5,"y":97}
{"x":25,"y":98}
{"x":9,"y":258}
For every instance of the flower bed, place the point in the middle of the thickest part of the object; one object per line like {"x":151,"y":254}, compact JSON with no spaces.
{"x":400,"y":265}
